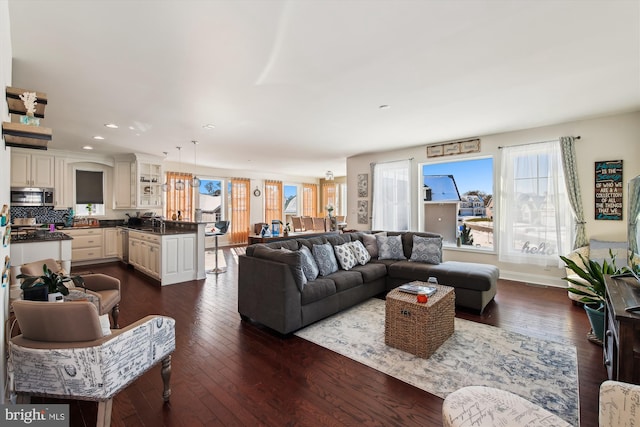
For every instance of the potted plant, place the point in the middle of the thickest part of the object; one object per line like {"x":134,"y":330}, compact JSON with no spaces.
{"x":594,"y":296}
{"x":53,"y":283}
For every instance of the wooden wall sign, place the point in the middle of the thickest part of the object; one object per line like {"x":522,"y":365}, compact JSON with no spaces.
{"x":608,"y":190}
{"x":452,"y":148}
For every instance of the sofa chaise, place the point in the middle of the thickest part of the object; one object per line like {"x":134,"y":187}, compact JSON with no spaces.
{"x":275,"y":288}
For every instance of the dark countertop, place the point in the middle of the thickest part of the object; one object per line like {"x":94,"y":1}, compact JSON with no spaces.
{"x":39,"y":236}
{"x":159,"y":231}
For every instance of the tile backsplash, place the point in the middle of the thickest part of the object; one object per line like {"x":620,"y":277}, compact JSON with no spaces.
{"x":42,"y":214}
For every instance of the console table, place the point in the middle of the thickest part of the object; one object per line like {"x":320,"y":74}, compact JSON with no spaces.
{"x":255,"y":238}
{"x":622,"y":330}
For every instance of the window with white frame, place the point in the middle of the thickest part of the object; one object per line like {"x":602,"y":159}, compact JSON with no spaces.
{"x":536,"y":223}
{"x":391,"y":203}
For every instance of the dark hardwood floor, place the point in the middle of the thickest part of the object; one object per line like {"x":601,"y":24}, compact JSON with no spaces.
{"x":229,"y":372}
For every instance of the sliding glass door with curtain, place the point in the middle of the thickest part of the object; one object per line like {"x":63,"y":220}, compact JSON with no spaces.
{"x":272,"y":201}
{"x":179,"y":200}
{"x":391,"y":190}
{"x":240,"y":212}
{"x":309,"y":199}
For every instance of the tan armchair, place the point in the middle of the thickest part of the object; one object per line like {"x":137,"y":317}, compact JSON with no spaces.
{"x":105,"y":288}
{"x":62,"y":353}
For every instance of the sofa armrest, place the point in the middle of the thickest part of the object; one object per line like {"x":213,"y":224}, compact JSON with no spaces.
{"x":101,"y":282}
{"x":267,"y":293}
{"x":575,"y":257}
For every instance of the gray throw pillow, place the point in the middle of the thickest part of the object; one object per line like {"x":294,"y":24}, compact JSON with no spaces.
{"x":309,"y":266}
{"x":427,"y":249}
{"x":292,"y":259}
{"x":325,"y":258}
{"x":370,"y":243}
{"x":390,"y":247}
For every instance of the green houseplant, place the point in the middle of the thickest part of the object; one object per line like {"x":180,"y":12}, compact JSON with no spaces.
{"x":593,"y":297}
{"x":54,"y":282}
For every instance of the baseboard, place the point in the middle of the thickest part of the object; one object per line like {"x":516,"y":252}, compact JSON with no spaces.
{"x":533,"y":278}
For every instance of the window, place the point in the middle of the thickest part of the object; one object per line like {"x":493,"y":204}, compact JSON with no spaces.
{"x":468,"y":186}
{"x":290,"y":200}
{"x":309,"y":199}
{"x":536,"y":222}
{"x":240,"y":213}
{"x":89,"y":192}
{"x":210,"y":199}
{"x":328,"y":198}
{"x":179,"y":200}
{"x":391,"y":205}
{"x":272,"y":201}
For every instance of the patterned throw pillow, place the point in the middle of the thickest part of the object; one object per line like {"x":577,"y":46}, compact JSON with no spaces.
{"x":309,"y":266}
{"x":325,"y":258}
{"x":345,"y":256}
{"x":390,"y":247}
{"x":360,"y":252}
{"x":371,"y":244}
{"x":427,"y":249}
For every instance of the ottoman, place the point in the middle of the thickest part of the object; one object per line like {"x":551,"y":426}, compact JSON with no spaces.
{"x":480,"y":406}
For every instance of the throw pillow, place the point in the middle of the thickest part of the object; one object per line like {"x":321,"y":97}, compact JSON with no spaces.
{"x":345,"y":256}
{"x":426,"y":249}
{"x":360,"y":252}
{"x":371,"y":243}
{"x":309,"y":266}
{"x":325,"y":258}
{"x":599,"y":251}
{"x":390,"y":247}
{"x":105,"y":325}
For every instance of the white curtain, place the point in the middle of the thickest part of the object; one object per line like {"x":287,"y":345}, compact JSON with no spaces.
{"x":391,"y":203}
{"x":535,"y":220}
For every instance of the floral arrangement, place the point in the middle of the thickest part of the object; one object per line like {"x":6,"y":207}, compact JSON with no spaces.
{"x":329,"y":208}
{"x":30,"y":100}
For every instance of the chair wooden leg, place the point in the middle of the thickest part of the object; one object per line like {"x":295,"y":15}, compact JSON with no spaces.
{"x":166,"y":377}
{"x":104,"y":413}
{"x":115,"y":312}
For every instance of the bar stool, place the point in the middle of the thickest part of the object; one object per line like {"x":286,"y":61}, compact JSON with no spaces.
{"x":219,"y":229}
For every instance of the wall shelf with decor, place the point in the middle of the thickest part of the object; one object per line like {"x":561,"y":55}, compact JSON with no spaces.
{"x":26,"y":132}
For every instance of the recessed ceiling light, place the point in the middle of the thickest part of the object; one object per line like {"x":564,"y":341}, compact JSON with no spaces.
{"x":132,"y":128}
{"x":98,"y":137}
{"x":384,"y":107}
{"x":208,"y":126}
{"x":111,"y":125}
{"x":87,"y":147}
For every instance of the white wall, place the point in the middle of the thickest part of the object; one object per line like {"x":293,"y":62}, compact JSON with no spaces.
{"x":606,"y":138}
{"x":5,"y":162}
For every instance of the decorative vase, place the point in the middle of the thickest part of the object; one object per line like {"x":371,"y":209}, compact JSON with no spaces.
{"x":30,"y":120}
{"x":596,"y":318}
{"x":55,"y":297}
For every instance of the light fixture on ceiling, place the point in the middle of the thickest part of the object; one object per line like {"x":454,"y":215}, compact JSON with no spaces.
{"x":87,"y":147}
{"x":328,"y":176}
{"x":166,"y":187}
{"x":179,"y":183}
{"x":111,"y":125}
{"x":195,"y":181}
{"x":208,"y":126}
{"x":98,"y":137}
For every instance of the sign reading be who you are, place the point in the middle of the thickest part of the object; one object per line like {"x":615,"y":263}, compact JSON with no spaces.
{"x":608,"y":190}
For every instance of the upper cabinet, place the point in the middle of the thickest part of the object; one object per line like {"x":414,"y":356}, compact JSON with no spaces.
{"x":32,"y":169}
{"x":137,"y":182}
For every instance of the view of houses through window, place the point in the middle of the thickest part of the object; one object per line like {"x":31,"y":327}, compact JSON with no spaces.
{"x":468,"y":186}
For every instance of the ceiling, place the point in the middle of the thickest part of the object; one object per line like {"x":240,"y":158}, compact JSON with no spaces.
{"x":295,"y":87}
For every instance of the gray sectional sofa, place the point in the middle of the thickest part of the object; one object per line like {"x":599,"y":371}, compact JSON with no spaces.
{"x":273,"y":290}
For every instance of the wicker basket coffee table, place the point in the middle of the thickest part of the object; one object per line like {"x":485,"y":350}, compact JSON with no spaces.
{"x":419,"y":328}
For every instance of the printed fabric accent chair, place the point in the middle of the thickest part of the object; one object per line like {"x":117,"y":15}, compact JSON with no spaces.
{"x":64,"y":352}
{"x":103,"y":290}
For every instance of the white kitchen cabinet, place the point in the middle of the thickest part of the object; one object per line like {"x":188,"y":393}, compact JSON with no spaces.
{"x":62,"y":197}
{"x":144,"y":253}
{"x":178,"y":258}
{"x":87,"y":244}
{"x":31,"y":170}
{"x":112,"y":245}
{"x":137,"y":182}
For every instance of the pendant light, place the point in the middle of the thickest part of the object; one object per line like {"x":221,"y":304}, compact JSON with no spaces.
{"x":179,"y":183}
{"x":166,"y":187}
{"x":195,"y":181}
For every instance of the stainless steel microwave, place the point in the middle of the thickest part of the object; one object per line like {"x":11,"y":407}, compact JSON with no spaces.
{"x":29,"y":196}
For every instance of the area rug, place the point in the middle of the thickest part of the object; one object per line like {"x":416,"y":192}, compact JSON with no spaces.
{"x":543,"y":372}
